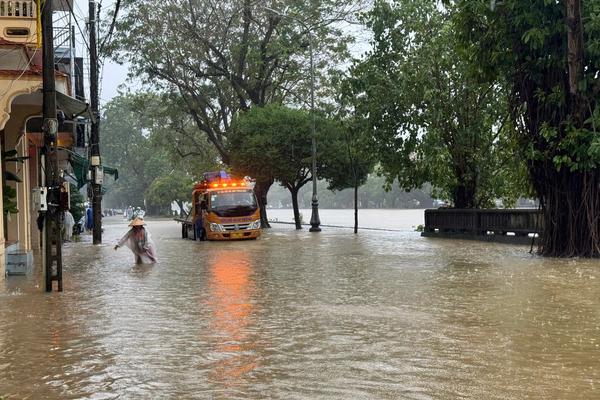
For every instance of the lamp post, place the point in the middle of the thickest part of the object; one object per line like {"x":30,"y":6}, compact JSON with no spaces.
{"x":315,"y":222}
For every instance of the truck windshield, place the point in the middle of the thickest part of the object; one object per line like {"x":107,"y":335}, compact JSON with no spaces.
{"x":233,"y":203}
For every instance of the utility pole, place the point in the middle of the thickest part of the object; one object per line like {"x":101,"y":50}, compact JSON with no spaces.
{"x":95,"y":162}
{"x":52,"y":238}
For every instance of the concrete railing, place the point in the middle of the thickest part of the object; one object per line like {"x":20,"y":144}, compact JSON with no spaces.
{"x":482,"y":224}
{"x":17,"y":9}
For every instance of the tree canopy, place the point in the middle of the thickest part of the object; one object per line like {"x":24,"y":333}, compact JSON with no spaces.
{"x":549,"y":54}
{"x":173,"y":187}
{"x":274,"y":142}
{"x":431,"y":119}
{"x":126,"y":145}
{"x":222,"y":57}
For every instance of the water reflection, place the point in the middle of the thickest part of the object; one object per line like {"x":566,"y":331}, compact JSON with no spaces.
{"x":232,"y":314}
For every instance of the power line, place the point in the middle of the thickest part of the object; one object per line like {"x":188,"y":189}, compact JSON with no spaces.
{"x":25,"y":69}
{"x":78,"y":26}
{"x":112,"y":26}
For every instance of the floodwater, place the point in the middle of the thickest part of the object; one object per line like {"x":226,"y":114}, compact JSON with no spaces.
{"x":369,"y":218}
{"x":297,"y":315}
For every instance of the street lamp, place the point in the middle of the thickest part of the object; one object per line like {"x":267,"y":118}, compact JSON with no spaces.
{"x":314,"y":218}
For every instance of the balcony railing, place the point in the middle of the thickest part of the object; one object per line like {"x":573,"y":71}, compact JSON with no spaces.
{"x":17,"y":9}
{"x":483,"y":224}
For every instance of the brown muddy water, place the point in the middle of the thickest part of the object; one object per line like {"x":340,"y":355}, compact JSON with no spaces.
{"x":295,"y":315}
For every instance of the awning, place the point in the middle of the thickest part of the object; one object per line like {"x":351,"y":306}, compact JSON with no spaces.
{"x":81,"y":167}
{"x":71,"y":179}
{"x":111,"y":171}
{"x":72,"y":107}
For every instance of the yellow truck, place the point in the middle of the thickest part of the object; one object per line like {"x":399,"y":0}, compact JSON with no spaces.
{"x":223,"y":208}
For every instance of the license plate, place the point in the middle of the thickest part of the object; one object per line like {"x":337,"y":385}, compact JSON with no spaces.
{"x":237,"y":235}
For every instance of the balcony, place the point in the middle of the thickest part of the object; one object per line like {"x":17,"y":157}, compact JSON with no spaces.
{"x":17,"y":9}
{"x":18,"y":21}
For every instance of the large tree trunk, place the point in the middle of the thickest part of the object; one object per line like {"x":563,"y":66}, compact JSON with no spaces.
{"x":464,"y":195}
{"x":571,"y":207}
{"x":261,"y":188}
{"x":570,"y":199}
{"x":294,"y":193}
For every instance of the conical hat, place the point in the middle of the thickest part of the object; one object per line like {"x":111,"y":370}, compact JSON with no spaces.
{"x":137,"y":222}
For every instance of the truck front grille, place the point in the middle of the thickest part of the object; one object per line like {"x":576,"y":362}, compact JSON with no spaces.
{"x":235,"y":227}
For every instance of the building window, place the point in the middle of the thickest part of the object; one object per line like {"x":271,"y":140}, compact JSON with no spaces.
{"x":16,"y":32}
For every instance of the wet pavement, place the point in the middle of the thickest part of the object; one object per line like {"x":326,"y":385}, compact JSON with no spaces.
{"x":295,"y":315}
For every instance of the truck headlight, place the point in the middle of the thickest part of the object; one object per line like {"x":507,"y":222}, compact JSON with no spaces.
{"x":255,"y":224}
{"x":216,"y":227}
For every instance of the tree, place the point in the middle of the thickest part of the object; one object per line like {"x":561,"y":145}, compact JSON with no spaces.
{"x":9,"y":194}
{"x":172,"y":131}
{"x":274,"y":143}
{"x":373,"y":195}
{"x":173,"y":187}
{"x":349,"y":159}
{"x":224,"y":57}
{"x":76,"y":203}
{"x":126,"y":145}
{"x":549,"y":52}
{"x":430,"y":119}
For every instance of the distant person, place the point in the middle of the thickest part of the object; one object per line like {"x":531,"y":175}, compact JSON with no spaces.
{"x":198,"y":222}
{"x":81,"y":225}
{"x":69,"y":222}
{"x":139,"y":242}
{"x":89,"y":219}
{"x":138,"y":213}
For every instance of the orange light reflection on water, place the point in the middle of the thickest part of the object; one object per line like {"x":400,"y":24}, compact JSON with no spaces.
{"x":230,"y":291}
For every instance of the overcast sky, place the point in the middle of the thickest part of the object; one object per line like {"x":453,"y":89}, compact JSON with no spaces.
{"x":113,"y":75}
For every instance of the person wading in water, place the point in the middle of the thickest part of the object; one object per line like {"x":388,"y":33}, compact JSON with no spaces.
{"x":139,"y":242}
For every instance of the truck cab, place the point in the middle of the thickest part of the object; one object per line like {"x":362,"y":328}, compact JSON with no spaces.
{"x":223,"y":209}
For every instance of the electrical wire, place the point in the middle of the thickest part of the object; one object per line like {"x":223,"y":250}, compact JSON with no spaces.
{"x":7,"y":92}
{"x":112,"y":27}
{"x":83,"y":36}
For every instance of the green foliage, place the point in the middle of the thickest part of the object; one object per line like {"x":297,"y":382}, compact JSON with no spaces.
{"x":430,"y":118}
{"x":223,"y":57}
{"x":172,"y":129}
{"x":168,"y":188}
{"x":9,"y":194}
{"x":127,"y":146}
{"x":76,"y":203}
{"x":558,"y":127}
{"x":349,"y":158}
{"x":549,"y":53}
{"x":371,"y":195}
{"x":275,"y":143}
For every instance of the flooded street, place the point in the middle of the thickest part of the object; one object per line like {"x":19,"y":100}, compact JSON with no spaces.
{"x":295,"y":315}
